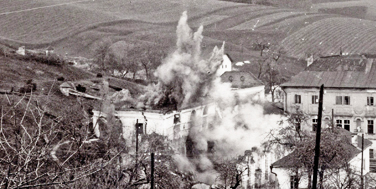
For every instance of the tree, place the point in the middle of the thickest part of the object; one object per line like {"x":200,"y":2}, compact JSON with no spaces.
{"x":101,"y":52}
{"x":230,"y":172}
{"x":335,"y":149}
{"x":149,"y":57}
{"x":272,"y":75}
{"x":261,"y":45}
{"x":39,"y":149}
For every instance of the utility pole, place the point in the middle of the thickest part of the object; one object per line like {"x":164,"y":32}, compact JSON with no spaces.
{"x":136,"y":141}
{"x":362,"y":165}
{"x":332,"y":120}
{"x":318,"y":136}
{"x":152,"y":171}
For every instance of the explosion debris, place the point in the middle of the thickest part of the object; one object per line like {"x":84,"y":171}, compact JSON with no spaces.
{"x":186,"y":79}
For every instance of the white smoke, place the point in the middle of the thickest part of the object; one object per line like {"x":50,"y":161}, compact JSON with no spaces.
{"x":185,"y":70}
{"x":193,"y":79}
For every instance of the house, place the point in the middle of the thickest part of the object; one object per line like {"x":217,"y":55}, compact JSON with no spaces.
{"x":348,"y":101}
{"x":173,"y":124}
{"x":244,"y":84}
{"x":226,"y":65}
{"x":291,"y":174}
{"x":350,"y":89}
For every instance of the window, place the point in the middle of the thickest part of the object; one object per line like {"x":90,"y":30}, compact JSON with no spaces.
{"x":294,"y":182}
{"x":371,"y":155}
{"x":140,"y":128}
{"x":346,"y":124}
{"x":242,"y":78}
{"x":346,"y":100}
{"x":343,"y":100}
{"x":370,"y":101}
{"x":205,"y":111}
{"x":314,"y":124}
{"x":176,"y":118}
{"x":230,"y":78}
{"x":339,"y":123}
{"x":370,"y":126}
{"x":338,"y":99}
{"x":298,"y":99}
{"x":315,"y":99}
{"x":327,"y":122}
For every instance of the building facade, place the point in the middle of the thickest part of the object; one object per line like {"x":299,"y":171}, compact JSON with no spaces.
{"x":244,"y":84}
{"x":348,"y":100}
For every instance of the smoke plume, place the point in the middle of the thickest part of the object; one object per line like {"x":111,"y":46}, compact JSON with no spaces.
{"x":185,"y":78}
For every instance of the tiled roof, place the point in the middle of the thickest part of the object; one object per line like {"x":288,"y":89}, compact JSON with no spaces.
{"x":337,"y":72}
{"x":292,"y":160}
{"x":240,"y":79}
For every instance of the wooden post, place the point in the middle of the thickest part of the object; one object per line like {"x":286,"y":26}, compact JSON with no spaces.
{"x":318,"y":136}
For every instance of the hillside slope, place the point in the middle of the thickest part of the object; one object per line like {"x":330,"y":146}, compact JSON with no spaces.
{"x":76,"y":27}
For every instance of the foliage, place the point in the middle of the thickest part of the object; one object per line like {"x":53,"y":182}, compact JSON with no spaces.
{"x":335,"y":150}
{"x":268,"y":68}
{"x":147,"y":57}
{"x":230,"y":172}
{"x":101,"y":52}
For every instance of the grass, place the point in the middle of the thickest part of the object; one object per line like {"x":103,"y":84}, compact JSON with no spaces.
{"x":15,"y":72}
{"x":45,"y":25}
{"x":263,"y":20}
{"x":77,"y":28}
{"x":354,"y":11}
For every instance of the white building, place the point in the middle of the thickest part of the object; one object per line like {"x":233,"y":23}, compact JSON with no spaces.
{"x":173,"y":124}
{"x":245,"y":84}
{"x":288,"y":177}
{"x":225,"y":66}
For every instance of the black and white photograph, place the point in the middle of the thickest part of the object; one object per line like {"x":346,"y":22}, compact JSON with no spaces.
{"x":188,"y":94}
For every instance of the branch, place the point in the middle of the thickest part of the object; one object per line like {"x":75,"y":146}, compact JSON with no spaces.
{"x":73,"y":180}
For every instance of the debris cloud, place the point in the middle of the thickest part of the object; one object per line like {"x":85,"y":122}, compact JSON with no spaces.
{"x":186,"y":79}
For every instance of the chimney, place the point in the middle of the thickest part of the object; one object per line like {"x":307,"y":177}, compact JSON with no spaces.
{"x":354,"y":140}
{"x":309,"y":60}
{"x":368,"y":65}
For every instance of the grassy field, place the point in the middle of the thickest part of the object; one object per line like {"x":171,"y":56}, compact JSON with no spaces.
{"x":76,"y":27}
{"x":328,"y":36}
{"x":365,"y":9}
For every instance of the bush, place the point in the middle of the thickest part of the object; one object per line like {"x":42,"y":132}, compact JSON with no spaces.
{"x":28,"y":87}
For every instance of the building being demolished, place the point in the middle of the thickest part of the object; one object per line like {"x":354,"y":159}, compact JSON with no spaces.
{"x":192,"y":107}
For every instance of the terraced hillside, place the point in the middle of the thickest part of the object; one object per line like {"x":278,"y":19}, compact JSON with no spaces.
{"x":331,"y":35}
{"x":76,"y":27}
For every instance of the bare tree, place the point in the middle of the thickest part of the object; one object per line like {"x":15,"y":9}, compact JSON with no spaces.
{"x":149,"y":57}
{"x":101,"y":52}
{"x":39,"y":149}
{"x":335,"y":150}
